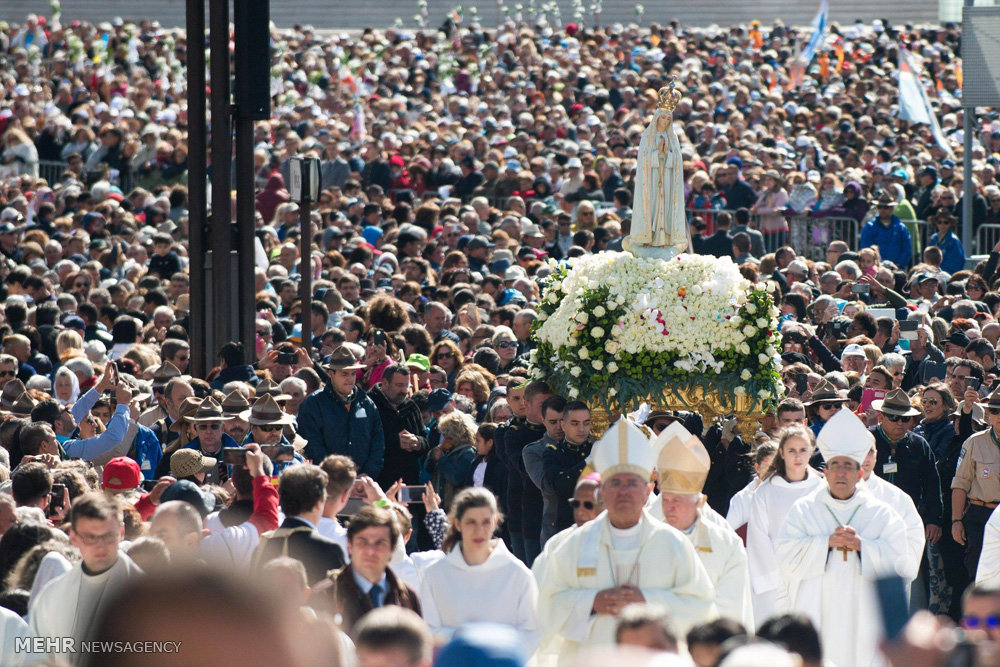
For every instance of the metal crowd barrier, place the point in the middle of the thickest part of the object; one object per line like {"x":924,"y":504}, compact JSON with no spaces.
{"x":987,"y":236}
{"x":52,"y":171}
{"x":811,"y":236}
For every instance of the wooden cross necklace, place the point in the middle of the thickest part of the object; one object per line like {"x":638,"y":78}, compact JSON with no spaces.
{"x":843,"y":550}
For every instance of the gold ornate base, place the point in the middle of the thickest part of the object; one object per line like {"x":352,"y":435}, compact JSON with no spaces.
{"x":709,"y":405}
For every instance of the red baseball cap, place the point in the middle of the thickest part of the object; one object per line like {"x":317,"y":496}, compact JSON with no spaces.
{"x":121,"y":474}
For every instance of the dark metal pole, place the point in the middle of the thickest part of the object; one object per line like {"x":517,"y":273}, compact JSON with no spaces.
{"x":223,"y":315}
{"x":968,"y":123}
{"x":245,"y":229}
{"x":305,"y":265}
{"x":197,"y":204}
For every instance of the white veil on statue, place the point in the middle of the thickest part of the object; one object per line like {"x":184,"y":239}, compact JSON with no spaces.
{"x":659,"y":227}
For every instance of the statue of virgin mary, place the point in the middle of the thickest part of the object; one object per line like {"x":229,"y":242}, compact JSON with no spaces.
{"x":659,"y":228}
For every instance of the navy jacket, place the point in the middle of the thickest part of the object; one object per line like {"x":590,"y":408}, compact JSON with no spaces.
{"x":331,"y":426}
{"x":916,"y":472}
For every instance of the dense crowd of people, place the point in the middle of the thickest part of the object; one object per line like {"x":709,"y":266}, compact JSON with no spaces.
{"x":410,"y":481}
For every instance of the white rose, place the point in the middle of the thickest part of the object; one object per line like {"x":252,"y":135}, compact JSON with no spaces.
{"x":575,"y":371}
{"x":583,"y":353}
{"x":746,"y":375}
{"x":597,"y":364}
{"x":764,"y":394}
{"x":751,"y":308}
{"x":761,"y":322}
{"x":612,"y":391}
{"x":597,"y":332}
{"x":740,"y":391}
{"x":763,"y":358}
{"x":611,"y":347}
{"x":581,"y":318}
{"x":612,"y":367}
{"x":574,"y":392}
{"x":749,"y":331}
{"x":599,"y":311}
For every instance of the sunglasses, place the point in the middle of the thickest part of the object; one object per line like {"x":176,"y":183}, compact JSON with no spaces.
{"x":576,"y":504}
{"x":7,"y":373}
{"x":269,"y":428}
{"x":506,"y":344}
{"x":895,"y":418}
{"x":931,"y":401}
{"x":991,"y":622}
{"x":208,"y":427}
{"x":444,"y":355}
{"x":993,"y":411}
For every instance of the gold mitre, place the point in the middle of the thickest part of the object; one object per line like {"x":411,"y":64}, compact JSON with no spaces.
{"x":623,"y":449}
{"x":683,"y":462}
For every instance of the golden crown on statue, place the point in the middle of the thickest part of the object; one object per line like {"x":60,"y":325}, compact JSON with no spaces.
{"x":668,"y":97}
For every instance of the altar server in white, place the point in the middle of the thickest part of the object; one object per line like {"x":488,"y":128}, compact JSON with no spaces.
{"x":789,"y":479}
{"x":988,"y":570}
{"x":683,"y":465}
{"x":836,"y":542}
{"x":478,"y":580}
{"x":902,"y":504}
{"x":621,"y":557}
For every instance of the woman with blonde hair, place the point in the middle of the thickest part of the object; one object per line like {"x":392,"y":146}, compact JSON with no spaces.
{"x":450,"y":463}
{"x":478,"y":579}
{"x":586,"y":216}
{"x":69,"y":344}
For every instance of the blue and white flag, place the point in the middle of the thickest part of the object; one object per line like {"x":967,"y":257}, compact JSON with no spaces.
{"x":914,"y":106}
{"x":820,"y":25}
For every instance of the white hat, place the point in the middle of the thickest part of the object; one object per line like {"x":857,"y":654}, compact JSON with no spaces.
{"x":574,"y":163}
{"x":623,"y":449}
{"x":682,"y":460}
{"x":845,"y":435}
{"x":853,"y":350}
{"x":514,"y":273}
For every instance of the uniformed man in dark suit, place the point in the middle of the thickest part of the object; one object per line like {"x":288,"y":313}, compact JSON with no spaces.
{"x":564,"y":461}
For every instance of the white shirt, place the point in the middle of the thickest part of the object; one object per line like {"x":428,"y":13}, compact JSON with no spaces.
{"x":499,"y":590}
{"x":332,"y":529}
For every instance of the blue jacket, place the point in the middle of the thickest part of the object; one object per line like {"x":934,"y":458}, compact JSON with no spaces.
{"x":353,"y":429}
{"x":894,"y":242}
{"x":146,"y":451}
{"x":952,"y":250}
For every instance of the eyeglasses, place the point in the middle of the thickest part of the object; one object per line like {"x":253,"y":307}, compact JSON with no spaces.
{"x":7,"y":373}
{"x":269,"y":428}
{"x":444,"y":355}
{"x":94,"y":540}
{"x":895,"y":418}
{"x":931,"y":401}
{"x":828,"y":406}
{"x":991,"y":622}
{"x":208,"y":427}
{"x":506,"y":344}
{"x":575,"y":504}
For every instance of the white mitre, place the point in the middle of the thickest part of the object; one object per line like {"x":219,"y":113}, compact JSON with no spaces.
{"x":845,"y":435}
{"x":623,"y":449}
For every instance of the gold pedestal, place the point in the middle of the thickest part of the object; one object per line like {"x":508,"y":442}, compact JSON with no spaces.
{"x":708,"y":404}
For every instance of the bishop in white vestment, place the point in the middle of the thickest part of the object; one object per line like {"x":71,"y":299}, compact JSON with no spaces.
{"x":988,"y":570}
{"x":683,"y":464}
{"x":621,"y":557}
{"x":836,"y":542}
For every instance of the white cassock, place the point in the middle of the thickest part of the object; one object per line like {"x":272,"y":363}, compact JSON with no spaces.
{"x":68,"y":606}
{"x":739,"y":505}
{"x":722,"y":553}
{"x":12,"y":628}
{"x":902,"y":504}
{"x":836,"y":589}
{"x":768,"y":510}
{"x":988,"y":572}
{"x":655,"y":508}
{"x":550,"y":647}
{"x":499,"y":590}
{"x":653,"y":556}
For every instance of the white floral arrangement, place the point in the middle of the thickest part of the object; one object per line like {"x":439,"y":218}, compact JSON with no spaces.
{"x":617,"y":330}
